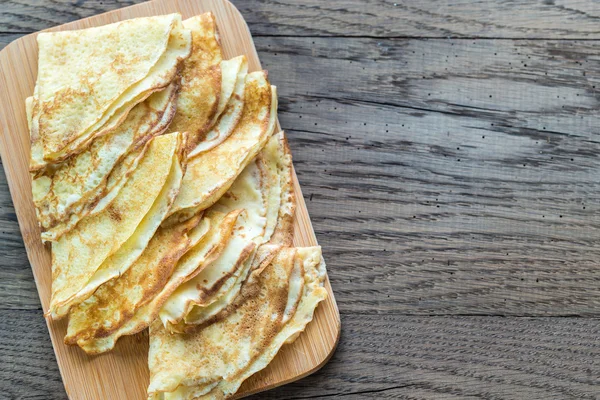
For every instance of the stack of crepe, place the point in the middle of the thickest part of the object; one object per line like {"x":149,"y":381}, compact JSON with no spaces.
{"x":168,"y":201}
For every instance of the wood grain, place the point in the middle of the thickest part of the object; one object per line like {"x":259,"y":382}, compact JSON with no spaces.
{"x":410,"y":289}
{"x":566,"y":19}
{"x":456,"y":177}
{"x":407,"y":357}
{"x":389,"y":356}
{"x":123,"y":373}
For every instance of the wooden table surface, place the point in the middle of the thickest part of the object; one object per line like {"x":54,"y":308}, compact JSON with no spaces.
{"x":449,"y":153}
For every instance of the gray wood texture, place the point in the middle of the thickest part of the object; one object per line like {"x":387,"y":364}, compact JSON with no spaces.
{"x":356,"y":18}
{"x":448,"y":152}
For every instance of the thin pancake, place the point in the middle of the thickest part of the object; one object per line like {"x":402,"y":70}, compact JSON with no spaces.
{"x":123,"y":170}
{"x":313,"y":293}
{"x":275,"y":162}
{"x":116,"y":301}
{"x":223,"y":302}
{"x":229,"y":75}
{"x":230,"y":112}
{"x":200,"y":93}
{"x":116,"y":234}
{"x":67,"y":194}
{"x":210,"y":174}
{"x":110,"y":69}
{"x":281,"y":206}
{"x":276,"y":303}
{"x":216,"y":279}
{"x":205,"y":356}
{"x":207,"y":242}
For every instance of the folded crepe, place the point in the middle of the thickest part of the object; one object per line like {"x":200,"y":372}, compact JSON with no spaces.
{"x":66,"y":194}
{"x":201,"y":82}
{"x":106,"y":244}
{"x":88,"y":80}
{"x":274,"y":307}
{"x":266,"y":181}
{"x":230,"y":108}
{"x":218,"y":276}
{"x":127,"y":304}
{"x":211,"y":173}
{"x":116,"y":301}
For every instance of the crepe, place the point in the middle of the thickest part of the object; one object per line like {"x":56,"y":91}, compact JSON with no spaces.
{"x":106,"y":244}
{"x":219,"y":275}
{"x":128,"y":305}
{"x":312,"y":293}
{"x":229,"y":111}
{"x":110,"y":69}
{"x":211,"y":173}
{"x":233,"y":71}
{"x":200,"y":95}
{"x":65,"y":195}
{"x":258,"y":192}
{"x":116,"y":301}
{"x":275,"y":305}
{"x":277,"y":160}
{"x":274,"y":164}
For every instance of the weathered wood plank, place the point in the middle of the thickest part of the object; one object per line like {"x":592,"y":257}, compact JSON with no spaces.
{"x":404,"y":357}
{"x":355,"y":18}
{"x":448,"y":176}
{"x":28,"y":368}
{"x":26,"y":16}
{"x":416,"y":18}
{"x":17,"y":288}
{"x":476,"y":78}
{"x":389,"y":356}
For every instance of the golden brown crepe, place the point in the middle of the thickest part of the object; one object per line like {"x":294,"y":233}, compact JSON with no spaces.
{"x":275,"y":190}
{"x":106,"y":244}
{"x":233,"y":83}
{"x":116,"y":301}
{"x":250,"y":193}
{"x":110,"y":69}
{"x":211,"y":173}
{"x":129,"y":303}
{"x":275,"y":305}
{"x":198,"y":102}
{"x":66,"y":194}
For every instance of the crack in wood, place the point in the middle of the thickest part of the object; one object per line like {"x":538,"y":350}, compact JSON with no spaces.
{"x":343,"y":394}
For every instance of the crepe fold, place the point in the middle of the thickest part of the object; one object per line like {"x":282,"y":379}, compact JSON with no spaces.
{"x":106,"y":244}
{"x":110,"y":69}
{"x":211,"y":173}
{"x":275,"y":305}
{"x":265,"y":191}
{"x":88,"y":181}
{"x":229,"y":112}
{"x":128,"y":304}
{"x":201,"y":81}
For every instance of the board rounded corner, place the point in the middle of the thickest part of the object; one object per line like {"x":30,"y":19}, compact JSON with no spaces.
{"x":8,"y":48}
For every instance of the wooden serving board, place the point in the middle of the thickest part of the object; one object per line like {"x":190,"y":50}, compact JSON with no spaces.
{"x":123,"y":373}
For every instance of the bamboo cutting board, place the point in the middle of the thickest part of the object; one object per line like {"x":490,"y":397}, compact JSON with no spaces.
{"x":123,"y":373}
